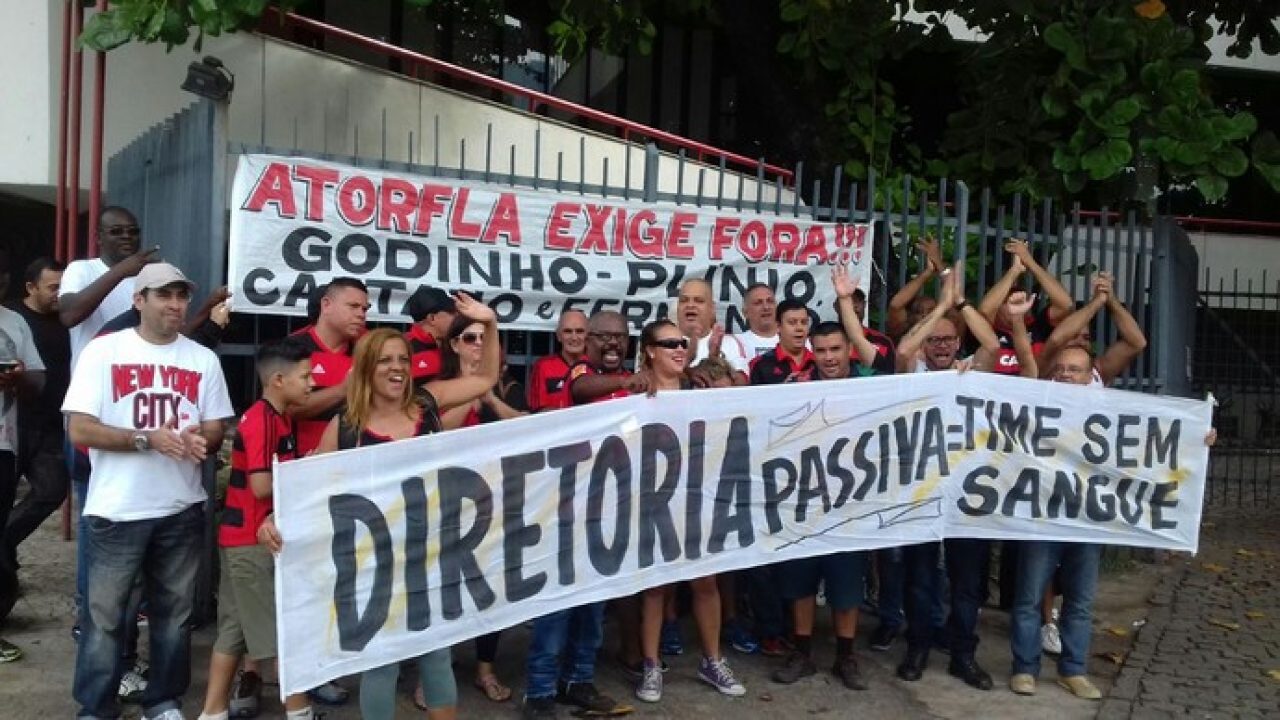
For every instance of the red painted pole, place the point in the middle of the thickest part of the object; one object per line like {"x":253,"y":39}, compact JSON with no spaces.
{"x":77,"y":89}
{"x":95,"y":153}
{"x":60,"y":219}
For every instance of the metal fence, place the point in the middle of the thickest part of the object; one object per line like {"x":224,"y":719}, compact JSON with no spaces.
{"x":1237,"y":358}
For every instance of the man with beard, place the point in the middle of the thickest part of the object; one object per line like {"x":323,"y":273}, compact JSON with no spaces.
{"x":939,"y":336}
{"x":548,"y":389}
{"x":561,"y":660}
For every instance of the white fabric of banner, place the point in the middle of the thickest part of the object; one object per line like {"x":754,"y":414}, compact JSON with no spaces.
{"x":394,"y":550}
{"x":531,"y":254}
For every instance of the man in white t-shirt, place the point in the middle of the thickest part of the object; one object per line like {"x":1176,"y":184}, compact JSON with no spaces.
{"x":150,"y":405}
{"x":759,"y":306}
{"x":92,"y":290}
{"x":696,"y":316}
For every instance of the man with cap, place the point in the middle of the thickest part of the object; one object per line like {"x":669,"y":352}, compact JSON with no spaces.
{"x":150,"y":406}
{"x":432,"y":311}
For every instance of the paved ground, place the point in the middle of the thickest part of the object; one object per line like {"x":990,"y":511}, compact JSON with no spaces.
{"x":1211,"y":647}
{"x":38,"y":686}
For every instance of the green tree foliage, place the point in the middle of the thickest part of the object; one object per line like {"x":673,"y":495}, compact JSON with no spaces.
{"x":1062,"y":96}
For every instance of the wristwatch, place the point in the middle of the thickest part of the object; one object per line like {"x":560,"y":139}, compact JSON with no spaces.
{"x":140,"y":442}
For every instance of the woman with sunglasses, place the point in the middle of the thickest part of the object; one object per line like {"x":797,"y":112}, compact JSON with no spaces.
{"x":464,"y":347}
{"x":383,"y":407}
{"x":663,"y":354}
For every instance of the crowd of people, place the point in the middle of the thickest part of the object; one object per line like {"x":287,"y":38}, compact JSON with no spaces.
{"x":111,"y":345}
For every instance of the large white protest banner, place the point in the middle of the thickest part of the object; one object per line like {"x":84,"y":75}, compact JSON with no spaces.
{"x":297,"y":223}
{"x":394,"y":550}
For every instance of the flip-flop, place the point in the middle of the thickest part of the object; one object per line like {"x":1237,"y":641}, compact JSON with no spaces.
{"x":615,"y":711}
{"x":493,"y":689}
{"x":9,"y":652}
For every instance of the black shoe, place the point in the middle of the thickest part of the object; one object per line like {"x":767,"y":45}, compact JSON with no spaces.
{"x":584,"y":695}
{"x":882,"y":639}
{"x":798,"y":666}
{"x":538,"y":708}
{"x":971,"y":673}
{"x":913,"y":665}
{"x":846,"y":668}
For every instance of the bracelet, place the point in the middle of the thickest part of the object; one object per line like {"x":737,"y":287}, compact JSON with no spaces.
{"x":962,"y":305}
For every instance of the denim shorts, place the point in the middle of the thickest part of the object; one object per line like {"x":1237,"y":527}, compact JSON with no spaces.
{"x":844,"y":575}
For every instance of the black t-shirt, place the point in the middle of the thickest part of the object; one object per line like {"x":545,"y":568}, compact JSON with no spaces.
{"x":54,"y":344}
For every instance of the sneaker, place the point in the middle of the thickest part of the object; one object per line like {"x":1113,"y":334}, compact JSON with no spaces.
{"x":882,"y":639}
{"x":670,"y":642}
{"x":246,"y":696}
{"x":741,"y":640}
{"x":133,"y":683}
{"x":544,"y":707}
{"x":717,"y":674}
{"x":846,"y":668}
{"x":9,"y":652}
{"x":635,"y":670}
{"x":1081,"y":687}
{"x":797,"y":666}
{"x":1023,"y":684}
{"x":170,"y":714}
{"x":773,"y":647}
{"x":584,"y":695}
{"x":142,"y":620}
{"x":1051,"y":639}
{"x":650,"y":688}
{"x":329,"y":693}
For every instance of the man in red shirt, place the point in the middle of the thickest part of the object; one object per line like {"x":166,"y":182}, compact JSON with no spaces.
{"x":341,"y":323}
{"x":600,"y":375}
{"x":792,"y":358}
{"x":548,"y":389}
{"x":432,"y":311}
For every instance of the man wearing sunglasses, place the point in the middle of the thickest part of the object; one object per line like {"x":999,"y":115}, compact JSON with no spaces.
{"x":92,"y":290}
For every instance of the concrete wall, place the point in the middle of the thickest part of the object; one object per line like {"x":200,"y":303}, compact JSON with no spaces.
{"x":30,"y":46}
{"x":288,"y":96}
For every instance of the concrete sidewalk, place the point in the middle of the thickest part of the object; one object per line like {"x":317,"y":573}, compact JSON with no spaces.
{"x":39,"y":685}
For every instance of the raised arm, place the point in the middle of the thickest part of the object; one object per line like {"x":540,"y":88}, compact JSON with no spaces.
{"x":989,"y":307}
{"x":975,"y":324}
{"x":74,"y":307}
{"x":1060,"y":302}
{"x":449,"y":393}
{"x":1128,"y":345}
{"x":911,"y":343}
{"x":845,"y":285}
{"x":1016,"y":309}
{"x":901,"y":300}
{"x":1077,"y":322}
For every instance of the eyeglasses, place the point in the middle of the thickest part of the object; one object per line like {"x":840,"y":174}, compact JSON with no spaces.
{"x":117,"y":231}
{"x":672,"y":343}
{"x":941,"y":339}
{"x":617,"y":337}
{"x":471,"y":338}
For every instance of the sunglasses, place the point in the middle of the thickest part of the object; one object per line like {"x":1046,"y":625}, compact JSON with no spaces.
{"x":672,"y":343}
{"x":471,"y":338}
{"x":116,"y":231}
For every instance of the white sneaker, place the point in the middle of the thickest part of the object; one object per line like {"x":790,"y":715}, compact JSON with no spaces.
{"x":170,"y":714}
{"x":650,"y":688}
{"x":1051,"y":639}
{"x":133,"y":683}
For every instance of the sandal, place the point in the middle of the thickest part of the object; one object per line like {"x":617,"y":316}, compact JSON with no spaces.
{"x":10,"y":652}
{"x":494,"y":690}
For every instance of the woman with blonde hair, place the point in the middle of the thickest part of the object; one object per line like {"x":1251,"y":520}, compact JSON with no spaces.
{"x":383,"y":407}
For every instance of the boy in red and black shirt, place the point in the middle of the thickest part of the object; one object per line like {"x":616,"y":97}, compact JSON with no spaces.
{"x":791,"y":359}
{"x":246,"y":599}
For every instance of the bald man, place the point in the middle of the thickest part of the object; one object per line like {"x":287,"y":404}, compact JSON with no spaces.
{"x":696,"y":317}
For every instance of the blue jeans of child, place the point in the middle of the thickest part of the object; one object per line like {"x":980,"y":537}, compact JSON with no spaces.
{"x":564,"y":647}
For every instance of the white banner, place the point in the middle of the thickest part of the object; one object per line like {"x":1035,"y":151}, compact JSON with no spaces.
{"x":297,"y":223}
{"x":394,"y":550}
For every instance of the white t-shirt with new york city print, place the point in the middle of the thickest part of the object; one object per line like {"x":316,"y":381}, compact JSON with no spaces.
{"x":126,"y":382}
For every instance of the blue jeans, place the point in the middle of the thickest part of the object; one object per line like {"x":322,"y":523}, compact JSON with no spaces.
{"x":966,"y":574}
{"x":1037,"y":563}
{"x":165,"y":553}
{"x":563,"y":647}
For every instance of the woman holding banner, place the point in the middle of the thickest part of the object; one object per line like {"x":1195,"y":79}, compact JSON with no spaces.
{"x":663,"y":353}
{"x":383,"y":407}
